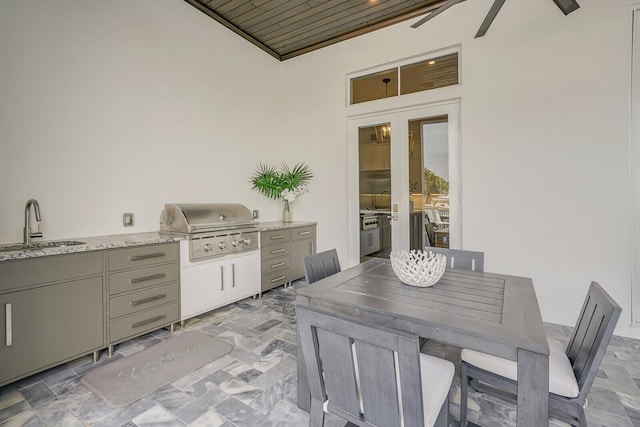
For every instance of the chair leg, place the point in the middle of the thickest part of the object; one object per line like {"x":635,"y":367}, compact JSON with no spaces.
{"x":464,"y":391}
{"x":316,"y":416}
{"x":582,"y":420}
{"x":443,"y":416}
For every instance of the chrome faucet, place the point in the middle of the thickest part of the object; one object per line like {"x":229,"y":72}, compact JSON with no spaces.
{"x":28,"y":235}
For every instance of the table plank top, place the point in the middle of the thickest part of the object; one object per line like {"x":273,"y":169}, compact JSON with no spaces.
{"x":489,"y":312}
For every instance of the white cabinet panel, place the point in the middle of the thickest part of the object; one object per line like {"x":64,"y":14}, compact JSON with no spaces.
{"x":206,"y":285}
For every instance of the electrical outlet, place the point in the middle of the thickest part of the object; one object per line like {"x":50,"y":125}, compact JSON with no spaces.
{"x":127,"y":219}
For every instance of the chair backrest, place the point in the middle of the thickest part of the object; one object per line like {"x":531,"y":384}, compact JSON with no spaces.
{"x":364,"y":374}
{"x":591,"y":336}
{"x":460,"y":259}
{"x":320,"y":265}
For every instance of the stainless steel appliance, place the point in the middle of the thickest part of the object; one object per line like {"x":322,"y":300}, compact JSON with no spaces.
{"x":368,"y":222}
{"x":220,"y":261}
{"x":214,"y":229}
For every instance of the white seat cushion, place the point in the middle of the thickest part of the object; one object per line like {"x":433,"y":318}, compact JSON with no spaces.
{"x":562,"y":380}
{"x":436,"y":375}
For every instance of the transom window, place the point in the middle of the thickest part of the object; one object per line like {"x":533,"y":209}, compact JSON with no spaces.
{"x":427,"y":74}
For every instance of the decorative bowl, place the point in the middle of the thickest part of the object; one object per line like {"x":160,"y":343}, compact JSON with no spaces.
{"x":418,"y":268}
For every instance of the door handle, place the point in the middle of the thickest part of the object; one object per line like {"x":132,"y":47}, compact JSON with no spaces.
{"x":233,"y":275}
{"x":150,"y":277}
{"x":221,"y":278}
{"x":146,"y":256}
{"x":8,"y":324}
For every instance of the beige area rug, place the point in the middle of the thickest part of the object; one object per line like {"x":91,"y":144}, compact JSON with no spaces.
{"x":126,"y":380}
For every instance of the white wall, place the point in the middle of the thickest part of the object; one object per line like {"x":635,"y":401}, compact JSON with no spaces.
{"x":545,"y":145}
{"x":120,"y":106}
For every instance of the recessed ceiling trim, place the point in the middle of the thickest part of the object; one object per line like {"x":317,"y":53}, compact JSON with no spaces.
{"x":233,"y":28}
{"x":412,"y":9}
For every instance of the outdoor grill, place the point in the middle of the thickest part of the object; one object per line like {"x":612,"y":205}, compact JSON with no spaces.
{"x":214,"y":229}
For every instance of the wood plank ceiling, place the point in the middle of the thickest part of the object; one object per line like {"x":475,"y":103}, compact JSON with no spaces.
{"x":288,"y":28}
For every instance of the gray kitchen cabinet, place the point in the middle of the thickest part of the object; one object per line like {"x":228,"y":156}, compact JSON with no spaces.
{"x":375,"y":156}
{"x":384,"y":223}
{"x":281,"y":253}
{"x":275,"y":248}
{"x":303,"y":243}
{"x":143,"y":290}
{"x":415,"y":231}
{"x":369,"y":241}
{"x":52,"y":312}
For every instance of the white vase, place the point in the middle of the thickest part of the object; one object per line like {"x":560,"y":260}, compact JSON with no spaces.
{"x":286,"y":212}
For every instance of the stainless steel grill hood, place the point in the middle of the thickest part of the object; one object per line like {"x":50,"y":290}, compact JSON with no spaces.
{"x":205,"y":217}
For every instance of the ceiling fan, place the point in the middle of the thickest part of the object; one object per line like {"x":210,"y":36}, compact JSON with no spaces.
{"x":566,"y":6}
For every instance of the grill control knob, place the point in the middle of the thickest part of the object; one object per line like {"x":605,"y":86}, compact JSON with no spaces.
{"x":222,"y":245}
{"x":207,"y":247}
{"x":247,"y":241}
{"x":235,"y":243}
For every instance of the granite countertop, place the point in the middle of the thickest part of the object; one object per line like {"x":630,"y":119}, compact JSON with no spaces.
{"x":119,"y":241}
{"x":92,"y":244}
{"x":276,"y":225}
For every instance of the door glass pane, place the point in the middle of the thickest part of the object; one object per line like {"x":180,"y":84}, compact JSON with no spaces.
{"x":429,"y":182}
{"x":374,"y":153}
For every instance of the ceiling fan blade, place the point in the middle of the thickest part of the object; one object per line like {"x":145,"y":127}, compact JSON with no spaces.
{"x":488,"y":20}
{"x":436,"y":12}
{"x":567,"y":6}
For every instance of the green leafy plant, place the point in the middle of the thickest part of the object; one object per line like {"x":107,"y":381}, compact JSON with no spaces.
{"x":434,"y":184}
{"x":285,"y":182}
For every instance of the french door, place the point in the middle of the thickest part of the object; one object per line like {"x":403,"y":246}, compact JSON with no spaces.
{"x":405,"y":169}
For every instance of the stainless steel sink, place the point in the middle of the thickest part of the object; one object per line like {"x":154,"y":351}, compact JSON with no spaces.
{"x":12,"y":247}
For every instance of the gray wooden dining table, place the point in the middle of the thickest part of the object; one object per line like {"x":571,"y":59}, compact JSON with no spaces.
{"x":494,"y":313}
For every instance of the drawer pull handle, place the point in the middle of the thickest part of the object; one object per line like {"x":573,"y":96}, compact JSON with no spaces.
{"x":9,"y":324}
{"x":279,"y":236}
{"x":146,"y":300}
{"x":280,"y":264}
{"x":151,"y":277}
{"x":277,"y":251}
{"x":146,"y":322}
{"x":146,"y":256}
{"x":278,"y":278}
{"x":304,"y":233}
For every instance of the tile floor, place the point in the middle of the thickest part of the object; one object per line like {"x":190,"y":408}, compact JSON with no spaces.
{"x":255,"y":384}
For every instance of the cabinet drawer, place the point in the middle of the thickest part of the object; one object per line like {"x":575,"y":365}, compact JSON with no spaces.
{"x":300,"y":233}
{"x":275,"y":264}
{"x":275,"y":236}
{"x":274,"y":279}
{"x":47,"y":269}
{"x":143,"y":278}
{"x":138,"y":323}
{"x":140,"y":256}
{"x":275,"y":251}
{"x":142,"y":300}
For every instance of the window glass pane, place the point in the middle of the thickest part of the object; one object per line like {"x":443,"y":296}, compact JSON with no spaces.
{"x":430,"y":74}
{"x":374,"y":86}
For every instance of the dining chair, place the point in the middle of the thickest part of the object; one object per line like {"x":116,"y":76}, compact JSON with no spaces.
{"x":461,"y":259}
{"x":571,"y":371}
{"x":321,"y":265}
{"x":371,"y":375}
